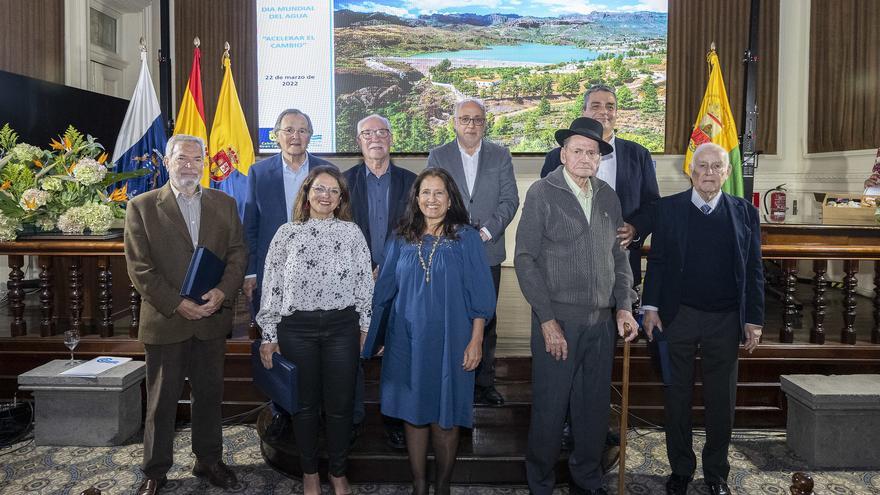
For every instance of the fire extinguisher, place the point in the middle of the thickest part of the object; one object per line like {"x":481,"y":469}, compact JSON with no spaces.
{"x":776,"y":211}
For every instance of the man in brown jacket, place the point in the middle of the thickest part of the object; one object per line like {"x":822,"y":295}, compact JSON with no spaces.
{"x":183,"y":339}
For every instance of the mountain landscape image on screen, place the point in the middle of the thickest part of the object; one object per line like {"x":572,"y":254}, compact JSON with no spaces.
{"x":530,"y":71}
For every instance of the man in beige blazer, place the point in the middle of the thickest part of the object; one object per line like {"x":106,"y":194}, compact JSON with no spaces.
{"x":181,"y":338}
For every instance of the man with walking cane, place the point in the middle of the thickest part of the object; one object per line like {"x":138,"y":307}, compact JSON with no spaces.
{"x":576,"y":276}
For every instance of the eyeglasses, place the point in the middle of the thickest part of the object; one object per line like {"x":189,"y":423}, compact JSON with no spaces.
{"x":324,"y":190}
{"x":183,"y":161}
{"x":477,"y":121}
{"x":590,"y":154}
{"x":291,"y":130}
{"x":379,"y":133}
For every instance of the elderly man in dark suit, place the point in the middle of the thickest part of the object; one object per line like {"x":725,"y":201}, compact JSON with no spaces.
{"x":183,"y":339}
{"x":272,"y":187}
{"x":483,"y":172}
{"x":704,"y":289}
{"x":379,"y":192}
{"x":628,"y":169}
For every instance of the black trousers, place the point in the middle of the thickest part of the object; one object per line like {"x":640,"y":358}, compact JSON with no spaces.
{"x":579,"y":385}
{"x":324,"y":346}
{"x":168,"y":367}
{"x":717,"y":335}
{"x":486,"y":370}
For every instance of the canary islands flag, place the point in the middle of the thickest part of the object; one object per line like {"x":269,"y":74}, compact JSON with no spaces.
{"x":191,"y":115}
{"x":715,"y":124}
{"x":141,"y":140}
{"x":231,"y":149}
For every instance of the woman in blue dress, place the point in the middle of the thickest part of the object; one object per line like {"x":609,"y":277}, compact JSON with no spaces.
{"x":435,"y":291}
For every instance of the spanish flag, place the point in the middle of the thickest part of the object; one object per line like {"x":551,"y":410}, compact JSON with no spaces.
{"x":715,"y":124}
{"x":231,"y":149}
{"x":191,"y":116}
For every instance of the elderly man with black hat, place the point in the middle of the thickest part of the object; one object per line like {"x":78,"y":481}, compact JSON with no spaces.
{"x":576,"y":276}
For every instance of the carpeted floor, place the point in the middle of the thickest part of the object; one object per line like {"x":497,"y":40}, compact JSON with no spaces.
{"x":761,"y":464}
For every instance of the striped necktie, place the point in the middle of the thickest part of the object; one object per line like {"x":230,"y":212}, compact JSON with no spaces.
{"x":706,"y":209}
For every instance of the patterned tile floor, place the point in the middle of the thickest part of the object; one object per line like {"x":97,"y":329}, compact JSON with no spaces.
{"x":761,"y":464}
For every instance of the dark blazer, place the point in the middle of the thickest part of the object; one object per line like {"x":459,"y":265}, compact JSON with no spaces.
{"x":636,"y":186}
{"x":266,"y":208}
{"x":158,"y":249}
{"x":668,"y":246}
{"x":495,"y":199}
{"x":398,"y":195}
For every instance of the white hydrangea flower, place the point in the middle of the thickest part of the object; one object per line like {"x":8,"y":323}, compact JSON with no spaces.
{"x":25,"y":153}
{"x":98,"y":216}
{"x":52,"y":184}
{"x":8,"y":228}
{"x":88,"y":171}
{"x":32,"y":199}
{"x":72,"y":221}
{"x":45,"y":223}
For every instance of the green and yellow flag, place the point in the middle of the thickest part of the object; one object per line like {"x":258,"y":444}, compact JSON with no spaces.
{"x":191,"y":115}
{"x":715,"y":124}
{"x":231,"y":148}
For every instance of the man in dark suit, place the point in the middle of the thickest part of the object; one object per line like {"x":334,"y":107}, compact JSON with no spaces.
{"x":181,"y":338}
{"x":379,"y":191}
{"x":704,"y":288}
{"x":483,"y":172}
{"x":272,"y":187}
{"x":629,"y":170}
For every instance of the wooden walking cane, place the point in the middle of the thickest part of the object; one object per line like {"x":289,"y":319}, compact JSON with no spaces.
{"x":624,"y":411}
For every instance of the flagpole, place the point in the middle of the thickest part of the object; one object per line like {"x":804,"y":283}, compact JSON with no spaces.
{"x":165,"y":97}
{"x":750,"y":105}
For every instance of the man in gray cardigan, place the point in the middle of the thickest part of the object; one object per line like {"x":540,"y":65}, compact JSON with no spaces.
{"x":483,"y":172}
{"x":577,"y":278}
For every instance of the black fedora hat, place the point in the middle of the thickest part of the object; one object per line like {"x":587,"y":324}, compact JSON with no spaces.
{"x":588,"y":128}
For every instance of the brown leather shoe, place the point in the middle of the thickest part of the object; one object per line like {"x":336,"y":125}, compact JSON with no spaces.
{"x":151,"y":486}
{"x":217,"y":474}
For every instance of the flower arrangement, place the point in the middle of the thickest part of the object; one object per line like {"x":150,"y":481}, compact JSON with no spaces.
{"x":64,"y":187}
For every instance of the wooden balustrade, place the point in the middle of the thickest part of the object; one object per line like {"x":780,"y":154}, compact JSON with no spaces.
{"x":63,"y":265}
{"x":850,"y":244}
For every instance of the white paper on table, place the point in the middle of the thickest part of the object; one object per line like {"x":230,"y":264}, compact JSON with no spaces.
{"x":96,"y":366}
{"x":872,"y":191}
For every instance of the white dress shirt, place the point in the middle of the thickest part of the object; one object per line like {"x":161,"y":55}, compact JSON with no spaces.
{"x":608,"y":166}
{"x":470,"y":163}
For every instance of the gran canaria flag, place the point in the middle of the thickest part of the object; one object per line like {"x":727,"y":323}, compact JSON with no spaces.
{"x":191,"y":116}
{"x":231,"y":149}
{"x":141,"y":140}
{"x":715,"y":124}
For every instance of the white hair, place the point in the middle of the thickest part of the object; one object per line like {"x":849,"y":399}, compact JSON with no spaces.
{"x":464,"y":102}
{"x":373,"y":116}
{"x":707,"y":147}
{"x":183,"y":138}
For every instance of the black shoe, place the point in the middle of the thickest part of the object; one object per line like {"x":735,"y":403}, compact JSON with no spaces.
{"x":718,"y":488}
{"x":151,"y":486}
{"x":218,"y":474}
{"x":395,"y":438}
{"x":488,"y":396}
{"x":279,"y":429}
{"x":575,"y":489}
{"x":567,"y":439}
{"x":677,"y":484}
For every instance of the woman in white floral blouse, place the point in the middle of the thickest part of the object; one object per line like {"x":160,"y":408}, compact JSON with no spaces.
{"x":316,"y":295}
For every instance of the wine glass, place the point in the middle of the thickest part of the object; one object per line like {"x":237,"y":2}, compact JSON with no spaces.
{"x":71,"y":339}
